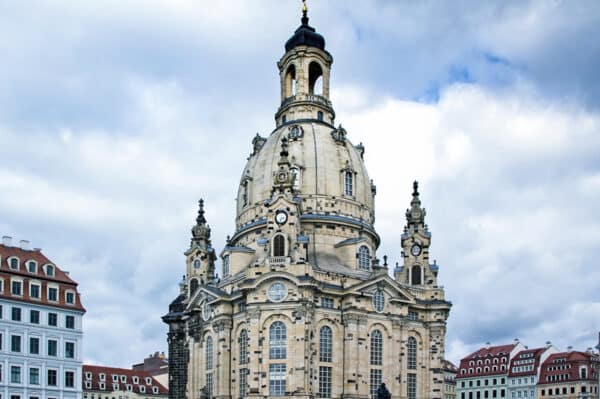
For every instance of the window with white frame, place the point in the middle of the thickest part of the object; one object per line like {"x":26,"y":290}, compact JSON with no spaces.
{"x":13,"y":262}
{"x":16,"y":287}
{"x":364,"y":258}
{"x":376,"y":348}
{"x":243,"y":342}
{"x":277,"y":340}
{"x":375,"y":380}
{"x":277,"y":373}
{"x":226,"y":266}
{"x":136,"y":379}
{"x":349,"y":183}
{"x":142,"y":389}
{"x":15,"y":374}
{"x":412,"y":386}
{"x":53,"y":294}
{"x":70,"y":297}
{"x":325,"y":344}
{"x":324,"y":382}
{"x":379,"y":301}
{"x":243,"y":382}
{"x":50,"y":270}
{"x":411,"y":348}
{"x":208,"y":360}
{"x":35,"y":290}
{"x":32,"y":266}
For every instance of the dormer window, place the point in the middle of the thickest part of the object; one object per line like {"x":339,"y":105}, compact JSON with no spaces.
{"x":364,"y":258}
{"x":16,"y":287}
{"x":70,"y":297}
{"x":148,"y":381}
{"x":88,"y":375}
{"x":129,"y":387}
{"x":136,"y":379}
{"x":102,"y":377}
{"x":14,"y":263}
{"x":49,"y":270}
{"x":32,"y":267}
{"x":123,"y":378}
{"x":115,"y":378}
{"x":155,"y":390}
{"x":53,"y":294}
{"x":142,"y":389}
{"x":102,"y":386}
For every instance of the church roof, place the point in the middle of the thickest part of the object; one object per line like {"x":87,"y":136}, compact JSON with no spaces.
{"x":305,"y":35}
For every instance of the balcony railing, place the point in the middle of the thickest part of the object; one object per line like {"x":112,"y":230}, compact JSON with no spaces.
{"x":307,"y":97}
{"x":278,"y":260}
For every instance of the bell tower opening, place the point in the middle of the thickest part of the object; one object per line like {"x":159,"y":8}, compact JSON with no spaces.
{"x":290,"y":81}
{"x":315,"y":79}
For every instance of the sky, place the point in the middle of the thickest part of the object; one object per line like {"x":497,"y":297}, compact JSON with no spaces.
{"x":117,"y":116}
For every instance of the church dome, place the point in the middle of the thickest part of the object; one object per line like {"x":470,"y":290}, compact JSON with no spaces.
{"x":330,"y":174}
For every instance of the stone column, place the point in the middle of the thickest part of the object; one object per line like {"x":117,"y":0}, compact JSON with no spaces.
{"x":222,"y":387}
{"x":353,"y":345}
{"x":255,"y":350}
{"x":395,"y":372}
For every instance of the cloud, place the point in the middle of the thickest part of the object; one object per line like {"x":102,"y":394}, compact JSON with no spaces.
{"x":510,"y":191}
{"x":116,"y":117}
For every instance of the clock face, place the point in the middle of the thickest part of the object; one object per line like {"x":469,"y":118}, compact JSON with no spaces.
{"x":277,"y":292}
{"x":281,"y":217}
{"x":415,"y":250}
{"x":282,"y":177}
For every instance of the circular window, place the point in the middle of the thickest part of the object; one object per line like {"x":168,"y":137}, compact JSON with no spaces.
{"x":277,"y":292}
{"x":379,"y":301}
{"x":206,"y":311}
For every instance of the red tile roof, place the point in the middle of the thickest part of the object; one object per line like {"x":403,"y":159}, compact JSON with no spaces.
{"x":492,"y":360}
{"x":128,"y":375}
{"x":59,"y":278}
{"x":522,"y":358}
{"x":565,"y":366}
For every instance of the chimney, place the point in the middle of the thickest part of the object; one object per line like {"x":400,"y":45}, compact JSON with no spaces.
{"x":37,"y":249}
{"x":569,"y":348}
{"x":7,"y":241}
{"x":66,"y":272}
{"x":487,"y":345}
{"x":590,"y":351}
{"x":24,"y":244}
{"x":548,"y":344}
{"x":516,"y":340}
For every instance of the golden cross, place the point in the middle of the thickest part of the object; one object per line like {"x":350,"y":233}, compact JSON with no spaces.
{"x":304,"y":6}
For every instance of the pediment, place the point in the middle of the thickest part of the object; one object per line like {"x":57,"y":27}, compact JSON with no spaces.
{"x":385,"y":283}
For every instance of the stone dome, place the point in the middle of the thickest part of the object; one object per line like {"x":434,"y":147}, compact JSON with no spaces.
{"x":305,"y":35}
{"x":323,"y":159}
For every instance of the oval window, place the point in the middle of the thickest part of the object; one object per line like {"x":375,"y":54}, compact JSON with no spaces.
{"x":277,"y":292}
{"x":379,"y":301}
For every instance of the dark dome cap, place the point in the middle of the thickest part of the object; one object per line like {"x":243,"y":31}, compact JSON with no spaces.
{"x":305,"y":35}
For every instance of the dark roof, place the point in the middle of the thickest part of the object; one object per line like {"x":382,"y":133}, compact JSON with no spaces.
{"x":305,"y":35}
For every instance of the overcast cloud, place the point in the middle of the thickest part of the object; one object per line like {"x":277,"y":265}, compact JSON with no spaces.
{"x":115,"y":117}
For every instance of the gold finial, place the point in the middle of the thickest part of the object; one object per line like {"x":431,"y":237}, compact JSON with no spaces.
{"x":304,"y":7}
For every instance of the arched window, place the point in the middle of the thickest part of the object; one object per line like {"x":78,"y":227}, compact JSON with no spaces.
{"x":416,"y":275}
{"x":325,"y":344}
{"x":197,"y":264}
{"x":411,"y":349}
{"x":226,"y":266}
{"x":208,"y":353}
{"x":279,"y":245}
{"x":376,"y":348}
{"x":364,"y":258}
{"x":193,"y":286}
{"x":243,"y":342}
{"x":319,"y":115}
{"x":315,"y":81}
{"x":290,"y":81}
{"x":245,"y":193}
{"x":277,"y":340}
{"x":14,"y":263}
{"x":349,"y":183}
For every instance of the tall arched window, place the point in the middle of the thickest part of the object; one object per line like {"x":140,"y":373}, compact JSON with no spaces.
{"x":208,"y":352}
{"x":416,"y":275}
{"x":376,"y":348}
{"x":315,"y":81}
{"x":279,"y":245}
{"x":325,"y":344}
{"x":245,"y":193}
{"x":290,"y":81}
{"x":193,"y":286}
{"x":364,"y":258}
{"x":243,"y":342}
{"x":277,"y":340}
{"x":349,"y":183}
{"x":376,"y":372}
{"x":226,"y":266}
{"x":411,"y":348}
{"x":295,"y":172}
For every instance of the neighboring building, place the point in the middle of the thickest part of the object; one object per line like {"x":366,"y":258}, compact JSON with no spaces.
{"x":524,"y":371}
{"x":101,"y":382}
{"x":569,"y":375}
{"x":157,"y":366}
{"x":483,"y":374}
{"x":450,"y":371}
{"x":303,"y":307}
{"x":40,"y":327}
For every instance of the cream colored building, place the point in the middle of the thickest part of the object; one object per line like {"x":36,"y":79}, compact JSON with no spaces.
{"x":304,"y":307}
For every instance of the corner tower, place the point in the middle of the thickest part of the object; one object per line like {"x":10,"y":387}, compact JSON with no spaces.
{"x":303,"y":306}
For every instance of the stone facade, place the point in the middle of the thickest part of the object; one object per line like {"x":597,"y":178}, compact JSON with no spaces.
{"x":304,"y":307}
